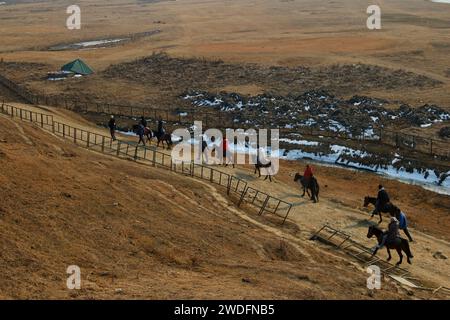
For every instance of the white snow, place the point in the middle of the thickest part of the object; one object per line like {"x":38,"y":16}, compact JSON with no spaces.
{"x":97,"y":42}
{"x":300,"y":142}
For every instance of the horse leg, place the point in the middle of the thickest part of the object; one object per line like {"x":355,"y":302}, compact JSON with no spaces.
{"x":304,"y":191}
{"x":381,"y":218}
{"x":389,"y":254}
{"x":270,"y":178}
{"x":399,"y":251}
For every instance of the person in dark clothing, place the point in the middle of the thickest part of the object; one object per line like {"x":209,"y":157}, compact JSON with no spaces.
{"x":112,"y":127}
{"x":382,"y":201}
{"x":160,"y":127}
{"x":392,"y":234}
{"x":143,"y":122}
{"x":140,"y":132}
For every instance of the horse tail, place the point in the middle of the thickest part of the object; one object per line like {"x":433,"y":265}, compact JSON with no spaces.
{"x":406,"y":248}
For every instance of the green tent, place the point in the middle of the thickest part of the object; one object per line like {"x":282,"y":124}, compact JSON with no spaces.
{"x":78,"y":67}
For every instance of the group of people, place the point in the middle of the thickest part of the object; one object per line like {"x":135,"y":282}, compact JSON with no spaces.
{"x":398,"y":219}
{"x":141,"y":128}
{"x":226,"y":157}
{"x":383,"y":203}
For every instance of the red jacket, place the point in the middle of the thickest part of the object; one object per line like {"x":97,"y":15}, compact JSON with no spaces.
{"x":225,"y":145}
{"x":308,"y":172}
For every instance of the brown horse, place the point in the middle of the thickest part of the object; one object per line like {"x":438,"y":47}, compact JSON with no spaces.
{"x":388,"y":208}
{"x":400,"y":245}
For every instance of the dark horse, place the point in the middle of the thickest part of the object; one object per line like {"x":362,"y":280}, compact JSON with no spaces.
{"x":147,"y":133}
{"x":399,"y":245}
{"x":163,"y":137}
{"x":388,"y":208}
{"x":313,"y":186}
{"x":259,"y":165}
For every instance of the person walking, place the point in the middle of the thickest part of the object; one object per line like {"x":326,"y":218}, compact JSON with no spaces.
{"x":112,"y":127}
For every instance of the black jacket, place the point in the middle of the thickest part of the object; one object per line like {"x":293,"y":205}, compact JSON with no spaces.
{"x":112,"y":124}
{"x":143,"y":122}
{"x":383,"y":197}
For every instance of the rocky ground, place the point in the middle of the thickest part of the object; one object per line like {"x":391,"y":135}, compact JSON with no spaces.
{"x":320,"y":110}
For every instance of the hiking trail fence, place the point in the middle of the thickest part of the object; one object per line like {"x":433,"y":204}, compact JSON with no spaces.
{"x":150,"y":156}
{"x":225,"y":119}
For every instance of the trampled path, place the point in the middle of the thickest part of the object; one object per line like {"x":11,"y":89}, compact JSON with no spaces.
{"x":308,"y":216}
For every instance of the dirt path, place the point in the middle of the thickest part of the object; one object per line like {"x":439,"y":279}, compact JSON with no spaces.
{"x":428,"y":249}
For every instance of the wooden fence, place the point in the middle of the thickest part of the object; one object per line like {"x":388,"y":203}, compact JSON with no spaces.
{"x":150,"y":156}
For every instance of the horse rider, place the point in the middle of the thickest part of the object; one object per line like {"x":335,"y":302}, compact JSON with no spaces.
{"x":143,"y":122}
{"x":392,"y":234}
{"x":403,"y":223}
{"x":308,"y":174}
{"x":203,"y":145}
{"x":141,"y":131}
{"x":160,"y":130}
{"x":382,"y":200}
{"x":226,"y":154}
{"x":112,"y":127}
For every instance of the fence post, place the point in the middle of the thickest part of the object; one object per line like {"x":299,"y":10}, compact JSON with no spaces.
{"x":64,"y":130}
{"x":287,"y":213}
{"x":42,"y":120}
{"x":88,"y":138}
{"x":154,"y":158}
{"x":118,"y":147}
{"x":229,"y":185}
{"x":21,"y":117}
{"x":75,"y":135}
{"x":103,"y":143}
{"x":431,"y":146}
{"x":135,"y":153}
{"x":264,"y":205}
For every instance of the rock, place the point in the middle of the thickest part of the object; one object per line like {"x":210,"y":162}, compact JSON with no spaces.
{"x":444,"y":132}
{"x":66,"y":195}
{"x":439,"y":255}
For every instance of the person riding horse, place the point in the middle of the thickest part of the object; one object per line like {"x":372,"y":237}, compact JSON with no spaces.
{"x":307,"y":175}
{"x":383,"y":201}
{"x":391,"y":236}
{"x":143,"y":122}
{"x":160,"y":131}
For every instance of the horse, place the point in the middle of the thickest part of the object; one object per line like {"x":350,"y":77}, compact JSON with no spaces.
{"x":163,"y":137}
{"x":388,"y":208}
{"x":313,"y":186}
{"x":399,"y":245}
{"x":147,"y":132}
{"x":259,"y":165}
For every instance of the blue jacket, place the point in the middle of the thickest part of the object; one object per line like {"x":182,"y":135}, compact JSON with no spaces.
{"x":403,"y":222}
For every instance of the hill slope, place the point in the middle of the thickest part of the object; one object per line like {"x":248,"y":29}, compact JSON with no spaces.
{"x":139,"y":232}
